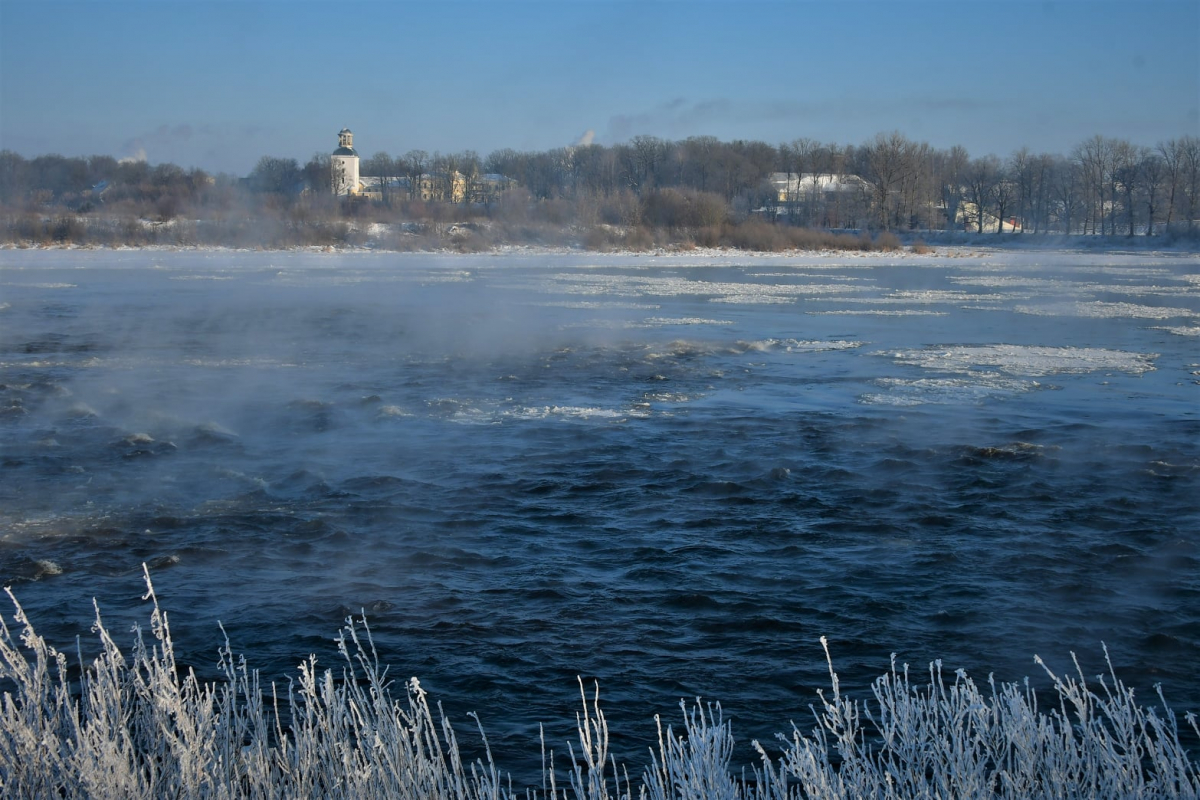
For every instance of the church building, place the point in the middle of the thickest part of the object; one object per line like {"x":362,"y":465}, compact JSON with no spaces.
{"x":453,"y":187}
{"x":344,"y":165}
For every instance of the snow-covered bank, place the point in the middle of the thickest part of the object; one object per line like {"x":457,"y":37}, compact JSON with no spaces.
{"x":935,"y":246}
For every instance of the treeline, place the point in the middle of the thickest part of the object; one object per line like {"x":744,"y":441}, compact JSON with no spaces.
{"x":643,"y":193}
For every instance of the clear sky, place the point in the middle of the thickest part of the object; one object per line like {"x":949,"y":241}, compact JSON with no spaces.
{"x":218,"y":84}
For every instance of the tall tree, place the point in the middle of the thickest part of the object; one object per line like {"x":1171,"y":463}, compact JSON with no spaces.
{"x":416,"y":167}
{"x":1190,"y":155}
{"x":14,"y":177}
{"x":387,"y":169}
{"x":1153,"y":172}
{"x":1003,"y":197}
{"x":983,"y":175}
{"x":276,"y":176}
{"x":1093,"y":159}
{"x":1126,"y":179}
{"x":889,"y":159}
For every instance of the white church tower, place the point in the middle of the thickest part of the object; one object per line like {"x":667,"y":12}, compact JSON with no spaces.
{"x":344,"y":165}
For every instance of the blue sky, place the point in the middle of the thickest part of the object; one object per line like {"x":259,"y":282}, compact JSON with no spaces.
{"x":219,"y":84}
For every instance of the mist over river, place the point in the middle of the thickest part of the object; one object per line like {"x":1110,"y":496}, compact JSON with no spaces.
{"x":670,"y":474}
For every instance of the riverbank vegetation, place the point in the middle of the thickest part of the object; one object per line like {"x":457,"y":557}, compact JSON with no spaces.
{"x":643,"y":194}
{"x":140,"y":725}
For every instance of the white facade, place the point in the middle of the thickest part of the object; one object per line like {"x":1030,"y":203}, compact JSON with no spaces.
{"x":792,"y":186}
{"x":344,"y":165}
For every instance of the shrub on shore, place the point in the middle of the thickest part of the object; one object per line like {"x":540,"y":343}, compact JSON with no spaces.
{"x":669,"y":220}
{"x":140,"y":726}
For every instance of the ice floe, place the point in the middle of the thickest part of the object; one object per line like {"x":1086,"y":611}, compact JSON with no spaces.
{"x":1098,"y":308}
{"x":946,"y":391}
{"x":1025,"y":360}
{"x":1180,"y":330}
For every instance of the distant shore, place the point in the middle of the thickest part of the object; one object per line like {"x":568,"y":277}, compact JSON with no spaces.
{"x":464,"y":240}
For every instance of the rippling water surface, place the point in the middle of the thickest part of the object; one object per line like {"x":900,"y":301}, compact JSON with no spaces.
{"x":668,"y":474}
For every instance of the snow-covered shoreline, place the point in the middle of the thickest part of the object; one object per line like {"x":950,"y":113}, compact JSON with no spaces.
{"x":975,"y":246}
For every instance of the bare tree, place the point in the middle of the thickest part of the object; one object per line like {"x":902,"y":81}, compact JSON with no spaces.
{"x":1067,"y":188}
{"x":1126,"y":178}
{"x":595,"y":169}
{"x":950,"y":167}
{"x":645,"y":154}
{"x":471,"y":168}
{"x":278,"y":176}
{"x":1190,"y":148}
{"x":387,"y":170}
{"x":1092,"y":157}
{"x":798,"y":158}
{"x":1172,"y":156}
{"x":699,"y":157}
{"x":318,"y":174}
{"x":1042,"y":174}
{"x":983,"y":175}
{"x":1003,"y":197}
{"x":1022,"y":166}
{"x":1153,"y":171}
{"x":890,"y":159}
{"x":416,"y":166}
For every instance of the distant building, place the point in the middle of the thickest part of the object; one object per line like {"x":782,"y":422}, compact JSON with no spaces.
{"x":792,"y":186}
{"x":429,"y":186}
{"x":344,"y":165}
{"x":820,"y":200}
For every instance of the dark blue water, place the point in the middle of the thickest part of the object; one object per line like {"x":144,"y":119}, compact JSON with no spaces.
{"x":668,"y":474}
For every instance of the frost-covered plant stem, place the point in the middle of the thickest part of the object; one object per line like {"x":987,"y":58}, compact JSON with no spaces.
{"x":136,"y":727}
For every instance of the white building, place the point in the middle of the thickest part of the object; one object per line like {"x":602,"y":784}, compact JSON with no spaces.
{"x":344,"y":165}
{"x":791,"y":186}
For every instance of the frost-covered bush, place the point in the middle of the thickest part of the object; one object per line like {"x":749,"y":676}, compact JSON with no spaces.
{"x":138,"y":726}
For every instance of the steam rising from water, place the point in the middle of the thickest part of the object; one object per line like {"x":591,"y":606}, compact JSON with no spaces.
{"x":670,"y":473}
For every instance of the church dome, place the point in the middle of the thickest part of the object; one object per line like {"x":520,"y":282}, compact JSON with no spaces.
{"x":345,"y":144}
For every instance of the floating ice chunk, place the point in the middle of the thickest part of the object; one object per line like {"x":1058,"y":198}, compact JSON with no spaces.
{"x":1013,"y":281}
{"x":1180,"y":330}
{"x":880,"y":312}
{"x":576,"y":412}
{"x":1101,"y":309}
{"x":667,"y":397}
{"x":655,"y":322}
{"x":1029,"y":360}
{"x":797,"y":345}
{"x":1134,"y":272}
{"x":946,"y":391}
{"x":39,"y":285}
{"x":928,"y":297}
{"x":595,"y":304}
{"x":753,"y":298}
{"x":748,"y":292}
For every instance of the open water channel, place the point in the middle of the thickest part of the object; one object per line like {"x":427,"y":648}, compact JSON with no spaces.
{"x":669,"y":474}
